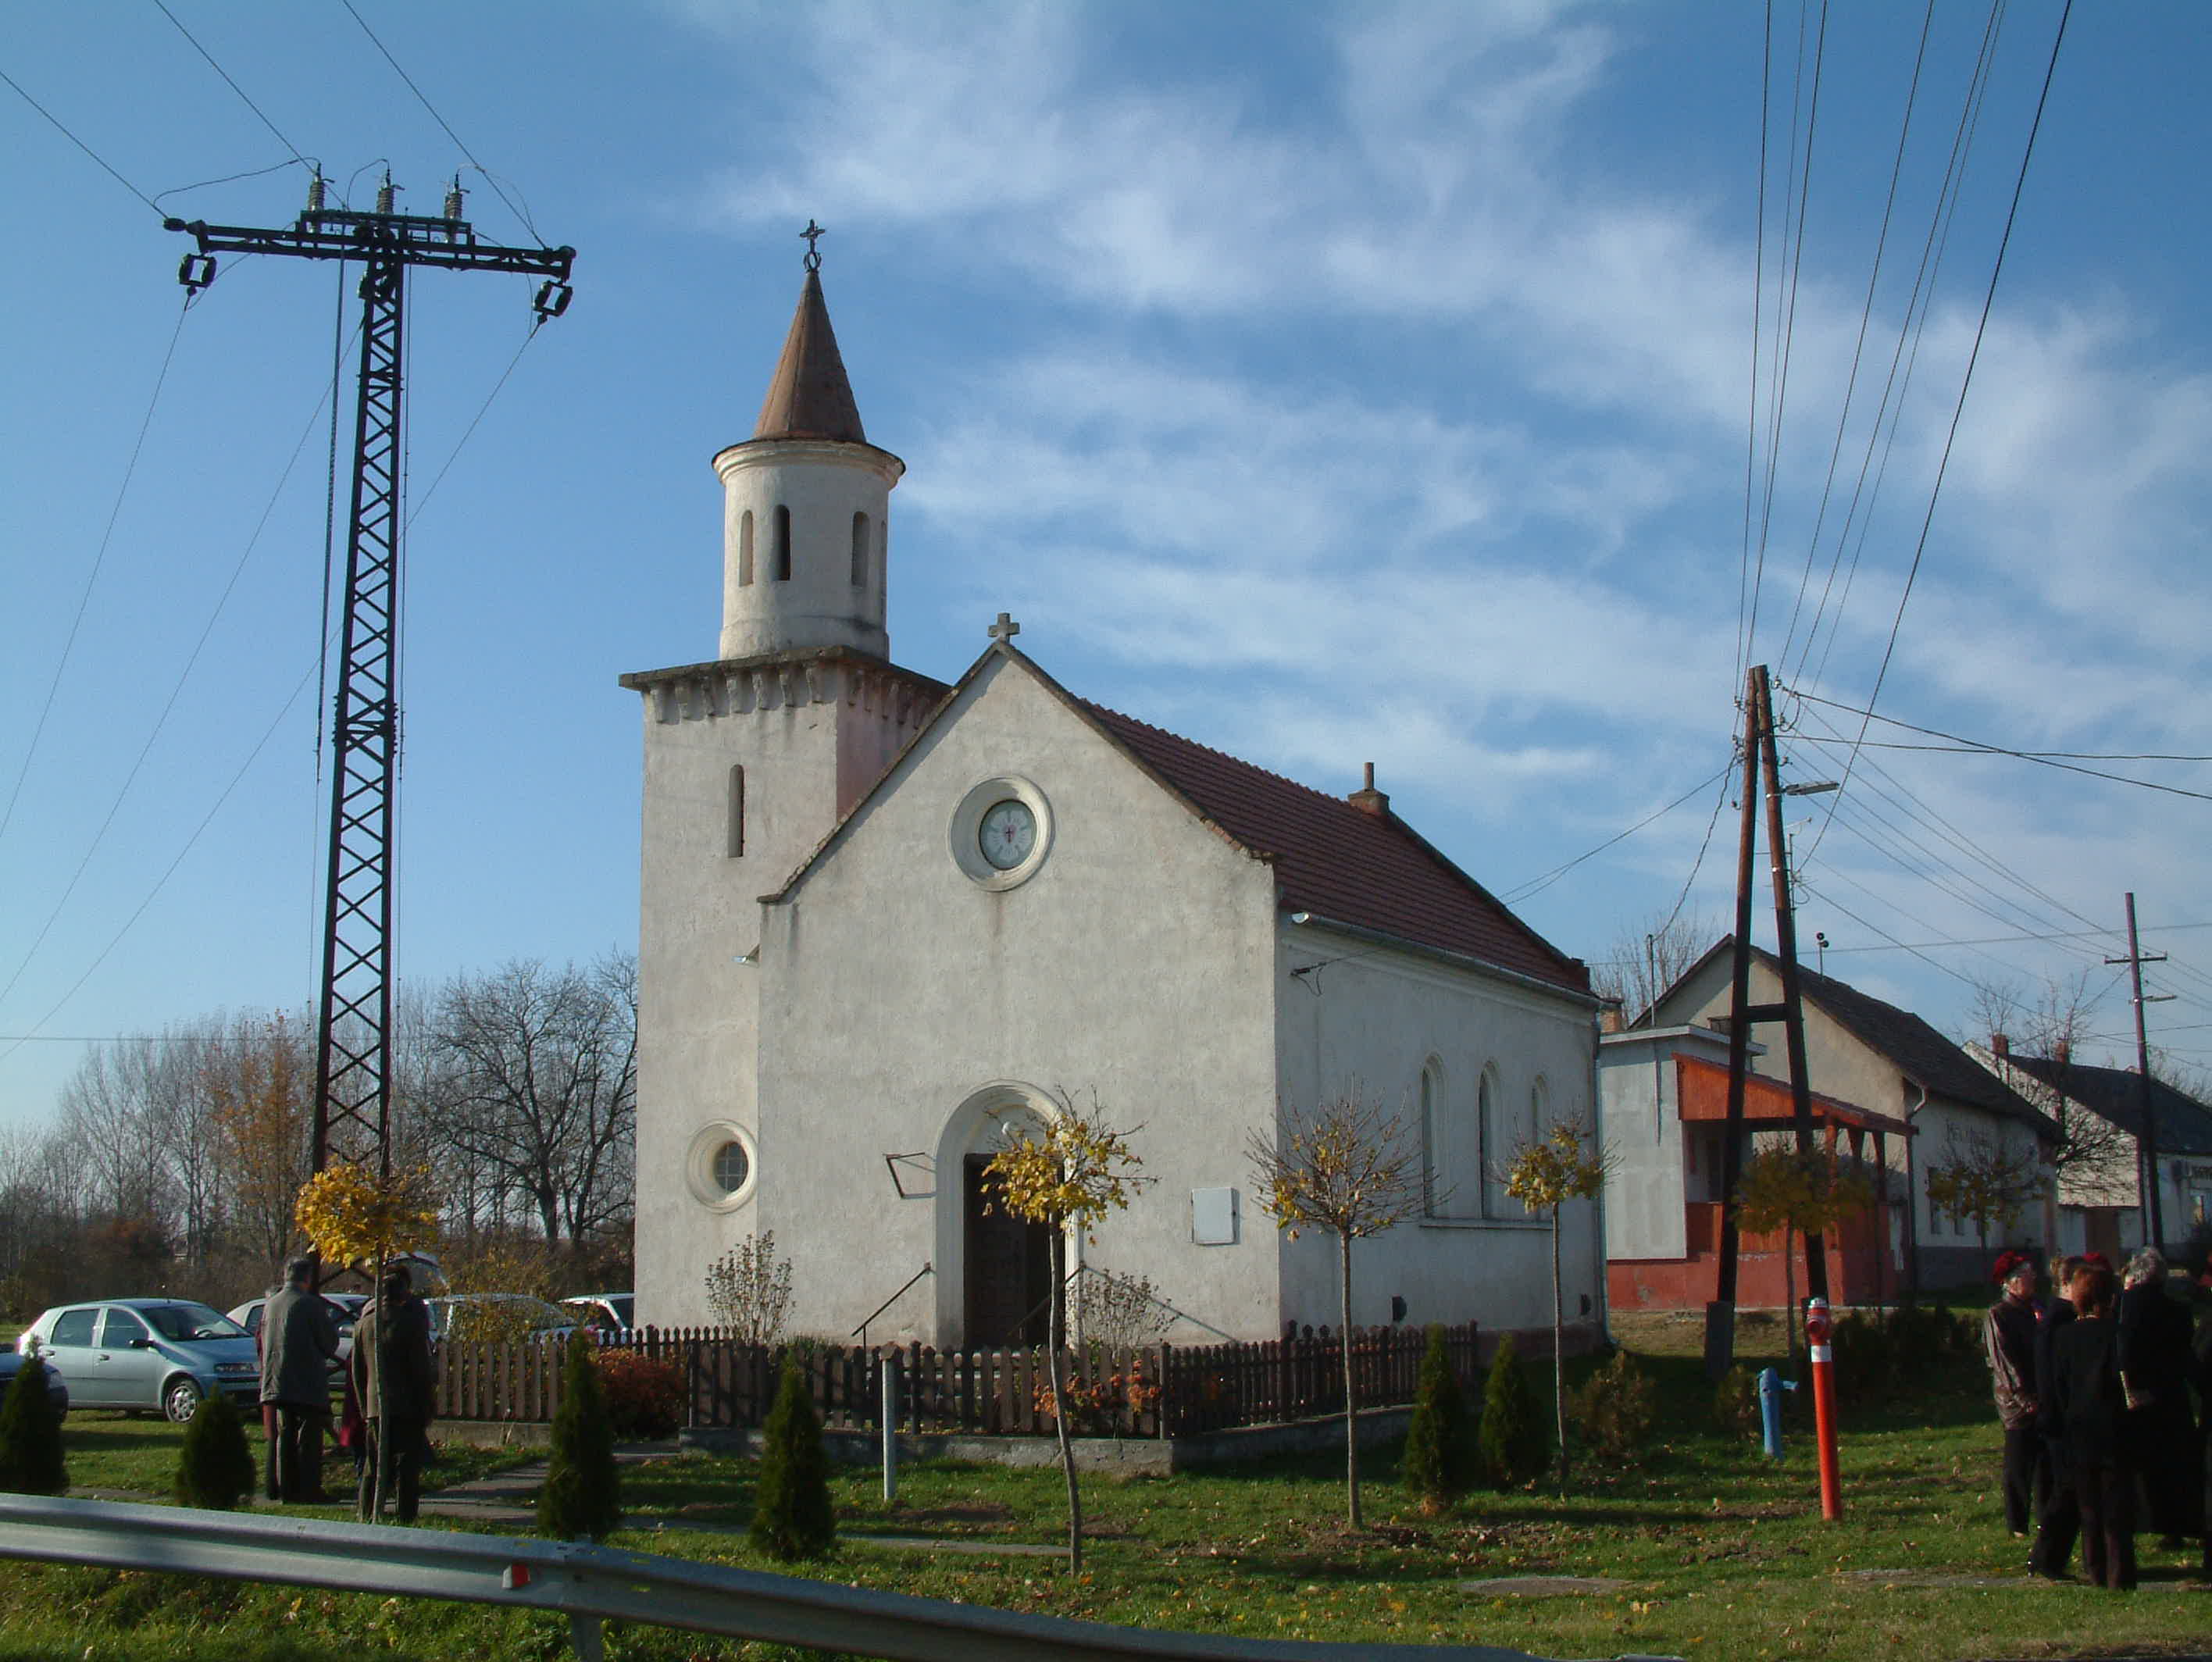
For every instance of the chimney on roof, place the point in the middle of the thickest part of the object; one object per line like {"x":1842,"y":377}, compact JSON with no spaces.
{"x":2063,"y":1051}
{"x":1999,"y":1045}
{"x":1367,"y":799}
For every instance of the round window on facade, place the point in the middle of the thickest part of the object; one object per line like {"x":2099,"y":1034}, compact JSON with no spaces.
{"x":719,"y":1167}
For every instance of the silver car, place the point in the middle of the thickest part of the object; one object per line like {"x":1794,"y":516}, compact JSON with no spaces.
{"x":147,"y":1353}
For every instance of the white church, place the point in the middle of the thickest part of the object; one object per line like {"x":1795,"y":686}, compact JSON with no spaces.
{"x":884,"y":919}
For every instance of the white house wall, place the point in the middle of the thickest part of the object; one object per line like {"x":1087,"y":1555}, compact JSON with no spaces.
{"x":1136,"y":962}
{"x":1369,"y":1020}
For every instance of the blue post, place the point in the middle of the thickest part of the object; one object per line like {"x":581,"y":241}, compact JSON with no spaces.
{"x":1772,"y":1385}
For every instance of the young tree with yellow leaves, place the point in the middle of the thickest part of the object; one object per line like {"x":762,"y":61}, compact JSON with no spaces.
{"x":1564,"y":1165}
{"x":1800,"y":1192}
{"x":350,"y":1216}
{"x":1067,"y":1175}
{"x":1348,"y":1167}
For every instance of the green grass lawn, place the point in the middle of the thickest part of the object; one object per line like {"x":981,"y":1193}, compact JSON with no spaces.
{"x":1721,"y":1554}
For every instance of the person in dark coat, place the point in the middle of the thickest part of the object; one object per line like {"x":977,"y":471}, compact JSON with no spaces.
{"x":2057,"y":1517}
{"x":299,"y":1336}
{"x":2008,"y":1341}
{"x":2201,"y":1362}
{"x":2085,"y":1388}
{"x":396,"y":1375}
{"x":2154,"y":1334}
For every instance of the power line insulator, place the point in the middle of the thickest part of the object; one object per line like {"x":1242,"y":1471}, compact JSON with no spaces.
{"x":196,"y":271}
{"x":553,"y":298}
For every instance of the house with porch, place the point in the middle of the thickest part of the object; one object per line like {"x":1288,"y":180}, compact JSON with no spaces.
{"x":1880,"y":1068}
{"x":1664,"y":1091}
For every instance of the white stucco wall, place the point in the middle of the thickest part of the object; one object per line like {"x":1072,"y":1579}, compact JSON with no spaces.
{"x":1370,"y":1018}
{"x":1638,"y":1086}
{"x":699,"y":913}
{"x":1137,"y":962}
{"x":823,"y":484}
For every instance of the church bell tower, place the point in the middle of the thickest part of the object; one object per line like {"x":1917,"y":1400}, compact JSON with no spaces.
{"x":751,"y":760}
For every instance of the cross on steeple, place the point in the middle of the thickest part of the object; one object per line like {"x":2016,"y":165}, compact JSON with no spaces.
{"x":1005,"y":630}
{"x":813,"y":233}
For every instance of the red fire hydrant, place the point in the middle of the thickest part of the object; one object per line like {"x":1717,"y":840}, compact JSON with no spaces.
{"x":1818,"y":1331}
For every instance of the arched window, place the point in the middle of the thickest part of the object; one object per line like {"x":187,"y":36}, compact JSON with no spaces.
{"x":1495,"y":1153}
{"x":859,"y":550}
{"x":782,"y":554}
{"x":737,"y":844}
{"x":1433,"y":1189}
{"x":745,"y":550}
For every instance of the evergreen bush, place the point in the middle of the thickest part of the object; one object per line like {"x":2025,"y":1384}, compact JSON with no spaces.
{"x":1617,"y":1407}
{"x":792,"y":1517}
{"x":1438,"y":1441}
{"x":215,"y":1466}
{"x":31,"y":1436}
{"x":582,"y":1497}
{"x":1515,"y":1442}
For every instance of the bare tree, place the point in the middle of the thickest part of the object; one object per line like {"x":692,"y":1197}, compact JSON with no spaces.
{"x":2093,"y":1158}
{"x":537,"y":1081}
{"x":1645,"y":961}
{"x":1979,"y":1177}
{"x":256,"y":1079}
{"x":1348,"y":1167}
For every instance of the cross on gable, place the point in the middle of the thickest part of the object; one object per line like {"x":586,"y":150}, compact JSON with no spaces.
{"x":1005,"y":630}
{"x":813,"y":233}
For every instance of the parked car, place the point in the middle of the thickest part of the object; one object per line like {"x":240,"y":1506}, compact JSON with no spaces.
{"x":498,"y":1316}
{"x":345,"y":1307}
{"x":147,"y":1353}
{"x":607,"y":1314}
{"x":11,"y":1363}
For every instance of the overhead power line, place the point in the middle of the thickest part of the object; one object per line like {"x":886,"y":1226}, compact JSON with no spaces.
{"x":234,"y":86}
{"x":1536,"y":885}
{"x":99,"y":161}
{"x":1959,"y":407}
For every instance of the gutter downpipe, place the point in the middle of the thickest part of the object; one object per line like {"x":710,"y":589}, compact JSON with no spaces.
{"x":1913,"y":1191}
{"x":1604,"y":1256}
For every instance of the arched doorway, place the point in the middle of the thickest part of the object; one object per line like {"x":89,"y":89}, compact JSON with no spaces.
{"x":999,"y":1289}
{"x":1006,"y":1291}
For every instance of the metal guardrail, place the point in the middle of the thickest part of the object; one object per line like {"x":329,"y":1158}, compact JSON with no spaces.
{"x":591,"y":1584}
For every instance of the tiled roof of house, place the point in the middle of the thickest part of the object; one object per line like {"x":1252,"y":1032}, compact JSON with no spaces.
{"x":1340,"y":861}
{"x":1916,"y":1048}
{"x":2184,"y":1125}
{"x":809,"y":397}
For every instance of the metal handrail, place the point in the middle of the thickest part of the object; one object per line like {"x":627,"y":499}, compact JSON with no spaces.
{"x":1154,"y":1298}
{"x":861,"y":1332}
{"x":591,"y":1584}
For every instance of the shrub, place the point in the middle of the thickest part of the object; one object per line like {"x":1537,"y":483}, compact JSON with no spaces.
{"x":1616,"y":1408}
{"x":31,"y":1436}
{"x":792,"y":1517}
{"x":749,"y":1290}
{"x":645,"y":1394}
{"x":1736,"y":1402}
{"x":582,"y":1497}
{"x":1862,"y":1352}
{"x":1439,"y":1442}
{"x":1516,"y":1443}
{"x":214,"y":1467}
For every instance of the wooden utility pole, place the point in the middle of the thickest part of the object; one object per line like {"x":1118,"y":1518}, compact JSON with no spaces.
{"x":2154,"y":1219}
{"x":1759,"y":755}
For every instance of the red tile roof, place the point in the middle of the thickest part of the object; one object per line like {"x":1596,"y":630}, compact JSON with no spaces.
{"x":1341,"y":862}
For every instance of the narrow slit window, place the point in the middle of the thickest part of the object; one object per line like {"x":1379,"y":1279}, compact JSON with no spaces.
{"x":736,"y":812}
{"x":859,"y":550}
{"x":745,"y":550}
{"x":783,"y":545}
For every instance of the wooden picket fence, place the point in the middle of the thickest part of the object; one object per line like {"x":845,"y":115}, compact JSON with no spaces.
{"x":1153,"y":1391}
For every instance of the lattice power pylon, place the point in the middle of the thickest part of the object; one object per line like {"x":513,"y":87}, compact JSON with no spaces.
{"x":353,"y":1036}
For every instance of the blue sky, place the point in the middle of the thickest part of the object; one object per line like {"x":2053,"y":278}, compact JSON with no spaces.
{"x":1330,"y":384}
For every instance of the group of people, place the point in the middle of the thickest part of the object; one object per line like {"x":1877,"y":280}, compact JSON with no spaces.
{"x":2093,"y":1388}
{"x":390,"y":1389}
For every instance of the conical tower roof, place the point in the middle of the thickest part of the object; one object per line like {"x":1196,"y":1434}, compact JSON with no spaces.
{"x":808,"y":397}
